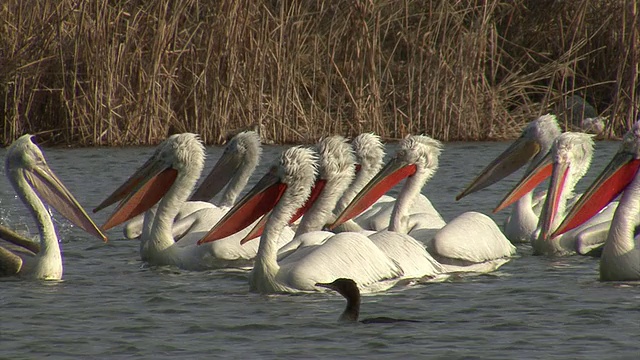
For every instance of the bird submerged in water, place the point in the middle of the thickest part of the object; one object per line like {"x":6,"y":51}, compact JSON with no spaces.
{"x":349,"y":289}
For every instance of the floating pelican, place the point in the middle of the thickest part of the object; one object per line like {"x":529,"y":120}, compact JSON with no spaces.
{"x":566,"y":163}
{"x":35,"y":182}
{"x":349,"y":290}
{"x":471,"y":242}
{"x":167,"y":178}
{"x":370,"y":152}
{"x":534,"y":143}
{"x":285,"y":188}
{"x":620,"y":260}
{"x":235,"y":166}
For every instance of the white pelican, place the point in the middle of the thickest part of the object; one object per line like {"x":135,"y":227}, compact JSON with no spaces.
{"x":168,"y":177}
{"x":285,"y":188}
{"x":532,"y":145}
{"x":452,"y":245}
{"x":370,"y":152}
{"x":35,"y":182}
{"x":566,"y":163}
{"x":235,"y":166}
{"x":620,"y":260}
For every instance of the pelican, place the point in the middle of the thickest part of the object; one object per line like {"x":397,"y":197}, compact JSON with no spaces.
{"x":167,"y":178}
{"x":620,"y":259}
{"x":451,"y":246}
{"x":285,"y":188}
{"x":349,"y":290}
{"x":35,"y":182}
{"x":370,"y":152}
{"x":235,"y":166}
{"x":566,"y":163}
{"x":532,"y":145}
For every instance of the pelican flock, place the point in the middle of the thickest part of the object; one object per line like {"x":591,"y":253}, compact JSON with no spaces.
{"x":167,"y":179}
{"x":321,"y":213}
{"x":231,"y":172}
{"x":417,"y":161}
{"x":565,"y":164}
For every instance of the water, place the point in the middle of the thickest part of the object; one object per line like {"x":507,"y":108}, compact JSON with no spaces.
{"x":111,"y":304}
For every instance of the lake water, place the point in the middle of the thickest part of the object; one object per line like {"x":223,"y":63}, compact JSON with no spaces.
{"x":110,"y":304}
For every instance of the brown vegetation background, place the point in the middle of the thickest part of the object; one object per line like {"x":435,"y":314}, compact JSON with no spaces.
{"x":98,"y":72}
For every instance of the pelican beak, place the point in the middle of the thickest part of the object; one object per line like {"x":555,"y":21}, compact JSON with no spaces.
{"x":16,"y":239}
{"x":532,"y":179}
{"x":390,"y":175}
{"x":610,"y":183}
{"x":140,"y":192}
{"x":550,"y":208}
{"x":219,"y":176}
{"x":259,"y":227}
{"x":512,"y":159}
{"x":53,"y":192}
{"x":258,"y":201}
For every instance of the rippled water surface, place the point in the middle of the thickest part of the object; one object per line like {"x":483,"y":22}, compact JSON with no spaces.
{"x":111,"y":305}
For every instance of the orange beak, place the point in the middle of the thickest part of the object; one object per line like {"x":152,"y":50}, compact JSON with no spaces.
{"x":259,"y":227}
{"x":532,"y":179}
{"x":387,"y":178}
{"x":263,"y":197}
{"x":610,"y":183}
{"x":139,"y":193}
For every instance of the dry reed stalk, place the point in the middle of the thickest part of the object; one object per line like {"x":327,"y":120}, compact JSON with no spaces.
{"x":133,"y":71}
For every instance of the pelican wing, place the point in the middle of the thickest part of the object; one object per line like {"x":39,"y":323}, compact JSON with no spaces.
{"x":348,"y":255}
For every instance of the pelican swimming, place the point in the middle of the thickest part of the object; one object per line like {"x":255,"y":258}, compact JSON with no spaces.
{"x":349,"y":290}
{"x":369,"y":153}
{"x":235,"y":166}
{"x":285,"y":188}
{"x":567,"y":162}
{"x":451,"y":245}
{"x":532,"y":145}
{"x":35,"y":182}
{"x":620,"y":259}
{"x":167,"y":178}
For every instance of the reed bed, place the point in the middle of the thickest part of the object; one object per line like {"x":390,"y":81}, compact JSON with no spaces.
{"x":131,"y":72}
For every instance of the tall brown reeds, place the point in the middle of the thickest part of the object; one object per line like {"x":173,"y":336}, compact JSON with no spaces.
{"x":132,"y":71}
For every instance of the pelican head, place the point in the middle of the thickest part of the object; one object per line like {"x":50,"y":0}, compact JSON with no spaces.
{"x":336,"y":158}
{"x":369,"y":151}
{"x":180,"y":156}
{"x":566,"y":162}
{"x":615,"y":177}
{"x":534,"y":142}
{"x":417,"y":157}
{"x":294,"y":172}
{"x":243,"y":151}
